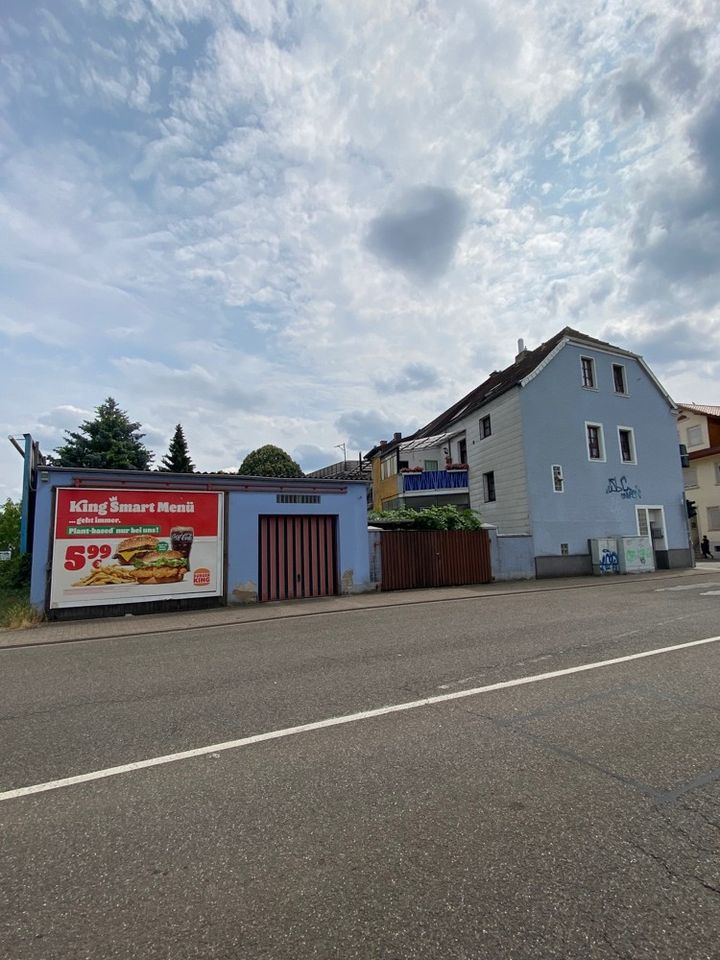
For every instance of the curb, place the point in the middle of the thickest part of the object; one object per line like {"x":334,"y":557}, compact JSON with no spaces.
{"x":154,"y":631}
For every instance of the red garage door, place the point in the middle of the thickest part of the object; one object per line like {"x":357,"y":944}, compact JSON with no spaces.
{"x":297,"y":557}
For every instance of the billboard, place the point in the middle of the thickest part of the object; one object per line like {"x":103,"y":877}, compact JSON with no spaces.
{"x":133,"y":546}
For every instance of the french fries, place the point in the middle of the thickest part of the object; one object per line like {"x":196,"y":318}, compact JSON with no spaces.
{"x":104,"y":576}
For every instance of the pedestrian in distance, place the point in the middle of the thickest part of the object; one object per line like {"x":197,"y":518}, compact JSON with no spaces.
{"x":705,"y":547}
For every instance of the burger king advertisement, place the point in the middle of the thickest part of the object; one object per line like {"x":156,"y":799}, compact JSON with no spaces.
{"x":128,"y":546}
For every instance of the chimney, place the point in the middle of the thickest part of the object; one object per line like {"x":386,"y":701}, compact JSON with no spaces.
{"x":383,"y":443}
{"x":397,"y":437}
{"x":522,"y":352}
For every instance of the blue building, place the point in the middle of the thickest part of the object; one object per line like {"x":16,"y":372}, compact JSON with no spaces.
{"x":108,"y":540}
{"x":574,"y":441}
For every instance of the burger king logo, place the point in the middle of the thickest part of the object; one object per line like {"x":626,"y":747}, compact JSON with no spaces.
{"x":201,"y":577}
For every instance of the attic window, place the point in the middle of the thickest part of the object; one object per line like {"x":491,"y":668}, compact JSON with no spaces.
{"x":587,"y":366}
{"x":619,"y":378}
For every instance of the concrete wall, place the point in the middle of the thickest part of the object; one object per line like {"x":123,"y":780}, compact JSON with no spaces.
{"x":555,"y":407}
{"x":577,"y":565}
{"x":511,"y":556}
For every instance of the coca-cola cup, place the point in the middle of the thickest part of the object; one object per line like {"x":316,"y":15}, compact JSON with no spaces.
{"x":181,"y":539}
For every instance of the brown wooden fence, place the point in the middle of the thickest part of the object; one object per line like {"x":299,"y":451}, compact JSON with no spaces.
{"x":434,"y":558}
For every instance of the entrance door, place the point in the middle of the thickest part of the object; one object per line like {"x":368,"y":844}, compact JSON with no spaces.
{"x":651,"y":523}
{"x":297,"y":557}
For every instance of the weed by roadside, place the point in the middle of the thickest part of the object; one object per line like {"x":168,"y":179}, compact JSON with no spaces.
{"x":15,"y":610}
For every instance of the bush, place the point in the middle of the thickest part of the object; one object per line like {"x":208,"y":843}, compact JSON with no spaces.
{"x":15,"y":573}
{"x":447,"y":517}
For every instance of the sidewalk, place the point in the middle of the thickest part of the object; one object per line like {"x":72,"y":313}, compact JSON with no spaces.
{"x":140,"y":624}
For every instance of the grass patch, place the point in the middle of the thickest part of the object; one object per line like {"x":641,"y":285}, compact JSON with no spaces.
{"x":15,"y":610}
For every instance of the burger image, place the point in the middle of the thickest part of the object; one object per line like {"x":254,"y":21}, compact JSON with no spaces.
{"x":167,"y":566}
{"x":134,"y":547}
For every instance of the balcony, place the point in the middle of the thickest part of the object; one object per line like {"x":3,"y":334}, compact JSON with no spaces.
{"x":434,"y":480}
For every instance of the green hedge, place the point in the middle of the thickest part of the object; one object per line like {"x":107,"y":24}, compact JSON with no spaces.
{"x":431,"y":518}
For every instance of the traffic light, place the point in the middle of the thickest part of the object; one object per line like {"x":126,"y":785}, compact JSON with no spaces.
{"x":691,"y":509}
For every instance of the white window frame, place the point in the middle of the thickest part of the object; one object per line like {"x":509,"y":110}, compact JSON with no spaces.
{"x":624,"y":391}
{"x":633,"y":447}
{"x":709,"y":514}
{"x":426,"y":467}
{"x":647,"y":507}
{"x":701,"y":441}
{"x":483,"y":435}
{"x":556,"y":472}
{"x":690,"y":478}
{"x":601,"y":436}
{"x":593,"y":373}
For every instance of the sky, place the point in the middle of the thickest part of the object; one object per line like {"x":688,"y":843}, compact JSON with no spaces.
{"x":316,"y":222}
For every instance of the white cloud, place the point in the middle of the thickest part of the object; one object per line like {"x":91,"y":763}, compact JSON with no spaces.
{"x":187,"y":187}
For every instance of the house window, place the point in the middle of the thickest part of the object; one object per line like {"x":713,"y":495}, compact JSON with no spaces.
{"x":430,"y":465}
{"x":695,"y":436}
{"x":489,"y":486}
{"x":462,"y":450}
{"x":587,"y":365}
{"x":595,"y":442}
{"x":388,"y":468}
{"x":626,"y":439}
{"x":558,"y":479}
{"x":713,"y":518}
{"x":564,"y":550}
{"x":485,"y":427}
{"x":717,"y":473}
{"x":619,"y":378}
{"x":690,"y":478}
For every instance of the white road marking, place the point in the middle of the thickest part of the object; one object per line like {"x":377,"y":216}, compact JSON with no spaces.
{"x":217,"y":748}
{"x":692,"y":586}
{"x":711,"y":593}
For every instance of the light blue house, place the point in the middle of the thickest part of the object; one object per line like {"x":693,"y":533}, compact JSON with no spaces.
{"x":575,"y":441}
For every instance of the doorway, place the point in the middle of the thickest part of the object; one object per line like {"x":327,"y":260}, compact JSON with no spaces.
{"x":651,"y":524}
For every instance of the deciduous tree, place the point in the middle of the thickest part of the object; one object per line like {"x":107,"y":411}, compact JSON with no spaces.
{"x":269,"y":461}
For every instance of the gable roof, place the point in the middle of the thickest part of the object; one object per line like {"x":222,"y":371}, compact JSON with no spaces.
{"x":703,"y":409}
{"x":528,"y":363}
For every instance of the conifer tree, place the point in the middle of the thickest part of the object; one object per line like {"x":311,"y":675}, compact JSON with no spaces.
{"x":177,"y":459}
{"x":110,"y":441}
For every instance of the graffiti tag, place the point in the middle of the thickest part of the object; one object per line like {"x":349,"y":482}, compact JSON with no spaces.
{"x":622,"y":487}
{"x":608,"y":561}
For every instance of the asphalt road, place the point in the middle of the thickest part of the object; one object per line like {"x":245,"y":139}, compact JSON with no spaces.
{"x":574,"y":816}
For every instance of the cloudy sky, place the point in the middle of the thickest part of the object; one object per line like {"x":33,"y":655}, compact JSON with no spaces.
{"x":309,"y":222}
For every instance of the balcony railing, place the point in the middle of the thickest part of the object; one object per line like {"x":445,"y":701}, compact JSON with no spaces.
{"x":435,"y":480}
